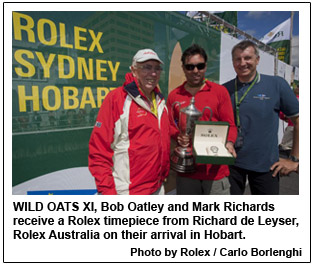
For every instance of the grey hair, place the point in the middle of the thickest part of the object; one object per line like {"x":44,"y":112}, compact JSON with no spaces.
{"x":245,"y":44}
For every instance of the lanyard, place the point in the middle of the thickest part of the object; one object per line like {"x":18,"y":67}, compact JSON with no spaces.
{"x":237,"y":103}
{"x":152,"y":104}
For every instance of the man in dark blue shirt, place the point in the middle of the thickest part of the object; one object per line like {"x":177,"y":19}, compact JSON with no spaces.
{"x":257,"y":100}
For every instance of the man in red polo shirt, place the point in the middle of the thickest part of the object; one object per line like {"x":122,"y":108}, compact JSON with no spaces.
{"x":208,"y":179}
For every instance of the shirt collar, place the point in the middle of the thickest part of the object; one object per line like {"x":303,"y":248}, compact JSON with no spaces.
{"x":133,"y":89}
{"x":206,"y":87}
{"x":240,"y":84}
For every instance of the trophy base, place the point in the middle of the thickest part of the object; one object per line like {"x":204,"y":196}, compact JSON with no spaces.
{"x":182,"y":160}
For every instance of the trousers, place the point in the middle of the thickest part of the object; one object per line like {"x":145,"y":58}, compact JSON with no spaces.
{"x":260,"y":183}
{"x":189,"y":186}
{"x":160,"y":191}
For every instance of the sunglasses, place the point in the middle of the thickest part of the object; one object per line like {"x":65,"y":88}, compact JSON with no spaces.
{"x":191,"y":67}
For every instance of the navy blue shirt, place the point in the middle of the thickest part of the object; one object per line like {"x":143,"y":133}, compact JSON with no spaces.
{"x":259,"y":118}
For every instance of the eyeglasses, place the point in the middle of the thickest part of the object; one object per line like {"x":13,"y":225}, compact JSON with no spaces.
{"x":191,"y":67}
{"x":149,"y":68}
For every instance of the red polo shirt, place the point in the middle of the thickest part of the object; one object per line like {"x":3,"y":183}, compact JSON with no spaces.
{"x":217,"y":98}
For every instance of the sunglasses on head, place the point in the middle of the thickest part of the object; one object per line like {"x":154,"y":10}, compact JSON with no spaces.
{"x":191,"y":67}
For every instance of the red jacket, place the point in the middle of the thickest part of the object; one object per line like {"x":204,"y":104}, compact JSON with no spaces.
{"x":129,"y":147}
{"x":217,"y":98}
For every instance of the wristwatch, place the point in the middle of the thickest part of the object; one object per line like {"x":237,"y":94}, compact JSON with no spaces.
{"x":294,"y":159}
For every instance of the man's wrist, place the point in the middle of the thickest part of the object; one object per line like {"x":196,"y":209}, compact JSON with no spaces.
{"x":294,"y":158}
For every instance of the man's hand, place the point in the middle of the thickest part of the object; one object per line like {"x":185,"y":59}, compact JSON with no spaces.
{"x":230,"y":147}
{"x":284,"y":166}
{"x":183,"y":140}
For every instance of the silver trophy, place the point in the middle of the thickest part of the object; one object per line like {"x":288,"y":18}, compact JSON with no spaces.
{"x":182,"y":159}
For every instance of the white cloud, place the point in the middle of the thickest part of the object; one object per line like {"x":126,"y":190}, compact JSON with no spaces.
{"x":251,"y":32}
{"x":295,"y":51}
{"x":257,"y":14}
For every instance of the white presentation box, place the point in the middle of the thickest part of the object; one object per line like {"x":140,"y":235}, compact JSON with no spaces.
{"x":209,"y":143}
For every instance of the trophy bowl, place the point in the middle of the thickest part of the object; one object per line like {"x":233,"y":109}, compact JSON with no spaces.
{"x":182,"y":159}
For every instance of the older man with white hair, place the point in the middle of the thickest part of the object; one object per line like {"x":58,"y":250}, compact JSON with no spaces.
{"x":130,"y":143}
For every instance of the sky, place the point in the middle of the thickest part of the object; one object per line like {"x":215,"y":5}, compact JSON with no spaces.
{"x":259,"y":23}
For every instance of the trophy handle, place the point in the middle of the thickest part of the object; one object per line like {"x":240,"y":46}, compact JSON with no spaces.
{"x":210,"y":110}
{"x":172,"y":111}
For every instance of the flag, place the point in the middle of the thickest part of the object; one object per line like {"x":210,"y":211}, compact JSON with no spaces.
{"x":279,"y":38}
